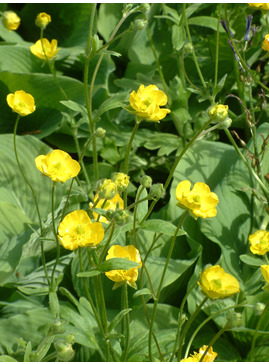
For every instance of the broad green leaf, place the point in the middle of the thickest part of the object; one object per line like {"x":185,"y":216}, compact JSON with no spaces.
{"x":108,"y":17}
{"x":113,"y":102}
{"x":161,"y":226}
{"x":117,"y":319}
{"x":142,"y":292}
{"x":90,"y":273}
{"x":117,"y":263}
{"x":76,"y":107}
{"x":142,"y":207}
{"x":178,"y":37}
{"x":7,"y":358}
{"x":206,"y":21}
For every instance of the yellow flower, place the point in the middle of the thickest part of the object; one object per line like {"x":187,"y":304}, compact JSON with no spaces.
{"x":259,"y":242}
{"x":121,"y":180}
{"x":196,"y":357}
{"x":42,"y":20}
{"x":50,"y":49}
{"x":107,"y":205}
{"x":128,"y":252}
{"x":199,"y":201}
{"x":264,"y":6}
{"x":21,"y":102}
{"x":218,"y":112}
{"x":147,"y":101}
{"x":11,"y":20}
{"x":106,"y":188}
{"x":77,"y":229}
{"x":216,"y":283}
{"x":265,"y":43}
{"x":58,"y":165}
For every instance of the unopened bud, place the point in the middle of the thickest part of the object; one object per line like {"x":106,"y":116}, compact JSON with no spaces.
{"x":100,"y":132}
{"x":42,"y":20}
{"x":120,"y":217}
{"x":70,"y":338}
{"x":144,"y":8}
{"x":121,"y":180}
{"x":226,"y":123}
{"x":218,"y":112}
{"x":234,"y":319}
{"x":22,"y":343}
{"x":156,"y":191}
{"x":58,"y":326}
{"x":259,"y":308}
{"x":106,"y":189}
{"x":64,"y":350}
{"x":139,"y":24}
{"x":34,"y":356}
{"x":188,"y":48}
{"x":146,"y":181}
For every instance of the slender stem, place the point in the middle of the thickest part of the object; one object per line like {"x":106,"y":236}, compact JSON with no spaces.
{"x":187,"y":326}
{"x":264,"y":188}
{"x":126,"y":164}
{"x":126,"y":322}
{"x":136,"y":203}
{"x":256,"y":332}
{"x":161,"y":283}
{"x":193,"y":52}
{"x":55,"y":235}
{"x":180,"y":320}
{"x":103,"y":252}
{"x":187,"y":146}
{"x":264,"y":223}
{"x":217,"y":55}
{"x":254,"y":134}
{"x":35,"y":198}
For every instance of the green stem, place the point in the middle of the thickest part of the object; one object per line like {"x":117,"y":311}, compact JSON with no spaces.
{"x":264,"y":188}
{"x":254,"y":134}
{"x":217,"y":55}
{"x":180,"y":320}
{"x":136,"y":203}
{"x":187,"y":146}
{"x":126,"y":164}
{"x":215,"y":338}
{"x":193,"y":52}
{"x":154,"y":311}
{"x":187,"y":326}
{"x":264,"y":223}
{"x":256,"y":332}
{"x":126,"y":322}
{"x":103,"y":252}
{"x":55,"y":235}
{"x":35,"y":198}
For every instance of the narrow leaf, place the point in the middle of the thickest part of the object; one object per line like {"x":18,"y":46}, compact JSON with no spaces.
{"x":90,"y":273}
{"x":116,"y":320}
{"x":117,"y":263}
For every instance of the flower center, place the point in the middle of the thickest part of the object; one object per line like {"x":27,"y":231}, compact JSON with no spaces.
{"x":79,"y":229}
{"x":197,"y":198}
{"x":57,"y":165}
{"x":216,"y":284}
{"x":148,"y":101}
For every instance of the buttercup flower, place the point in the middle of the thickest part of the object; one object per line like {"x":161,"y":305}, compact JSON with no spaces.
{"x":128,"y":252}
{"x":259,"y":242}
{"x":58,"y":165}
{"x":199,"y":201}
{"x":264,"y":6}
{"x":216,"y":283}
{"x":147,"y":101}
{"x":77,"y":229}
{"x":50,"y":49}
{"x":21,"y":102}
{"x":196,"y":357}
{"x":11,"y":20}
{"x":108,"y":205}
{"x":121,"y":180}
{"x":265,"y":43}
{"x":42,"y":20}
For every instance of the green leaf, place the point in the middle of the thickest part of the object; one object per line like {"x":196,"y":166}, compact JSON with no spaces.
{"x":108,"y":17}
{"x":117,"y":263}
{"x":113,"y":102}
{"x":142,"y":207}
{"x":28,"y":351}
{"x":178,"y":37}
{"x":54,"y":304}
{"x":117,"y":319}
{"x":91,"y":273}
{"x":142,"y":292}
{"x":252,"y":260}
{"x":76,"y":107}
{"x":206,"y":21}
{"x":161,"y":226}
{"x":7,"y":358}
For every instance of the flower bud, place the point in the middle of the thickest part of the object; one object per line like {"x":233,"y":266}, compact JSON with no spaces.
{"x":21,"y":343}
{"x":70,"y":338}
{"x":121,"y":180}
{"x":58,"y":326}
{"x":156,"y":191}
{"x":259,"y":308}
{"x":106,"y":189}
{"x":139,"y":24}
{"x":144,"y":8}
{"x":34,"y":356}
{"x":226,"y":123}
{"x":42,"y":20}
{"x":64,"y":350}
{"x":234,"y":319}
{"x":100,"y":132}
{"x":11,"y":20}
{"x":218,"y":112}
{"x":120,"y":217}
{"x":188,"y":48}
{"x":146,"y":181}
